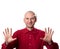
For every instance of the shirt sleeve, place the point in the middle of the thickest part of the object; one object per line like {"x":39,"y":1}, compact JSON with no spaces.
{"x":4,"y":46}
{"x":53,"y":45}
{"x":11,"y":45}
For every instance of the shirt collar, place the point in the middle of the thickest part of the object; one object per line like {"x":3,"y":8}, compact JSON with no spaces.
{"x":26,"y":30}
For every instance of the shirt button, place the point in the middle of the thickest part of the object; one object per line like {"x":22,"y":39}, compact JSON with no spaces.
{"x":29,"y":36}
{"x":29,"y":44}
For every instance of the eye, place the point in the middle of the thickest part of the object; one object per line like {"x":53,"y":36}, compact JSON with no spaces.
{"x":27,"y":18}
{"x":33,"y":18}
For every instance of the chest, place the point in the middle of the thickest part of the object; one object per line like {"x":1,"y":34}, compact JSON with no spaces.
{"x":33,"y":38}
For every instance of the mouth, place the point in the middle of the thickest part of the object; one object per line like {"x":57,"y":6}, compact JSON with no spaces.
{"x":30,"y":24}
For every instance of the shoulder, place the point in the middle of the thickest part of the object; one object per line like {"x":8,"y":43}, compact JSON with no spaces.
{"x":41,"y":32}
{"x":18,"y":32}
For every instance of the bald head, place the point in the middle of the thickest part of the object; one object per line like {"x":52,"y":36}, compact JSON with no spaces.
{"x":30,"y":18}
{"x":30,"y":12}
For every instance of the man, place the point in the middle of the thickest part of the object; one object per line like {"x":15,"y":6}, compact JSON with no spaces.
{"x":29,"y":37}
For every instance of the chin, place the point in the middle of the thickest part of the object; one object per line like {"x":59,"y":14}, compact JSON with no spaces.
{"x":30,"y":26}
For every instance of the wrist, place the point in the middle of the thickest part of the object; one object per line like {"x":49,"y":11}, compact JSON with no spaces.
{"x":49,"y":43}
{"x":6,"y":43}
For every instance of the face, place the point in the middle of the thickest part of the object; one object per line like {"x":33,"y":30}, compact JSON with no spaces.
{"x":29,"y":20}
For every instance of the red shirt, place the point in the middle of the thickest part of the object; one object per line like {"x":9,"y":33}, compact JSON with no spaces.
{"x":29,"y":40}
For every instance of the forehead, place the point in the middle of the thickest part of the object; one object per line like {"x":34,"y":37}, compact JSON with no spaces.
{"x":29,"y":14}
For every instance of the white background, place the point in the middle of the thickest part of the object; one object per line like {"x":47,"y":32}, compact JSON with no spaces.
{"x":47,"y":11}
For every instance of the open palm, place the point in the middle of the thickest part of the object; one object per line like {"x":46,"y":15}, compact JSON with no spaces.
{"x":8,"y":35}
{"x":48,"y":35}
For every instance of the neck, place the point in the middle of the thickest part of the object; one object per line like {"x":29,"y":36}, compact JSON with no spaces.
{"x":30,"y":28}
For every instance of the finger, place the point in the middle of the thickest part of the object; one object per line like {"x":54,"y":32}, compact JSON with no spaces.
{"x":45,"y":30}
{"x":41,"y":38}
{"x":48,"y":30}
{"x":11,"y":31}
{"x":52,"y":32}
{"x":44,"y":39}
{"x":14,"y":39}
{"x":7,"y":30}
{"x":3,"y":33}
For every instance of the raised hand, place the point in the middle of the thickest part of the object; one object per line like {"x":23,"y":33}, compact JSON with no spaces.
{"x":48,"y":35}
{"x":8,"y":35}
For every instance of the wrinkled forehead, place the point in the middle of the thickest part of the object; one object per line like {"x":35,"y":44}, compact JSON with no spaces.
{"x":30,"y":14}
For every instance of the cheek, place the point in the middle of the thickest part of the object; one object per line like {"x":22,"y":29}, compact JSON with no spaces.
{"x":26,"y":21}
{"x":33,"y":21}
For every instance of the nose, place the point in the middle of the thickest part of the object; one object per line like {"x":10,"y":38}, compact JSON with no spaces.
{"x":29,"y":20}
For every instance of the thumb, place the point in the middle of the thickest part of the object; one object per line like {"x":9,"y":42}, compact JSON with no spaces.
{"x":14,"y":39}
{"x":41,"y":38}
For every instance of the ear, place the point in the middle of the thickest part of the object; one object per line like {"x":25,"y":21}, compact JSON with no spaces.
{"x":35,"y":18}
